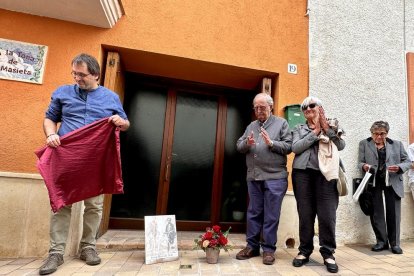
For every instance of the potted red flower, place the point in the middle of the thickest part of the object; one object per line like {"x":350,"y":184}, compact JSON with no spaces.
{"x":212,"y":241}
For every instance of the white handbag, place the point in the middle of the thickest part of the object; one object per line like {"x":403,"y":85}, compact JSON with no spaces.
{"x":342,"y":183}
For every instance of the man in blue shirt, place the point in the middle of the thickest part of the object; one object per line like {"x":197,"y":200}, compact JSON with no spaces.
{"x":74,"y":106}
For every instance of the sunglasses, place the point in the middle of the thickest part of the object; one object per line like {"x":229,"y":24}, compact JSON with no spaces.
{"x":312,"y":105}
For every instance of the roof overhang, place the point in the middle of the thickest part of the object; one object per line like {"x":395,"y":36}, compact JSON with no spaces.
{"x":98,"y":13}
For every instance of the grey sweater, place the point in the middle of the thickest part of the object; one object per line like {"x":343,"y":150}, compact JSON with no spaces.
{"x":264,"y":162}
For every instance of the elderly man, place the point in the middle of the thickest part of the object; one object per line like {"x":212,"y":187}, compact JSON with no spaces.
{"x":266,"y":142}
{"x":72,"y":107}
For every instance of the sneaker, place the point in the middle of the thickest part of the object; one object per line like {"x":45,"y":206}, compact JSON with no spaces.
{"x":51,"y":264}
{"x":90,"y":256}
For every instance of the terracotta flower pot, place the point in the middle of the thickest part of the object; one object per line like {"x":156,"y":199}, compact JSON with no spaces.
{"x":212,"y":255}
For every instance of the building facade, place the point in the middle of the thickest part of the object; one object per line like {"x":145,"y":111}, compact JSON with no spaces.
{"x":361,"y":66}
{"x":187,"y":72}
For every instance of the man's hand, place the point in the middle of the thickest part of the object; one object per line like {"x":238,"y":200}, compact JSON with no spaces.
{"x":119,"y":122}
{"x":250,"y":139}
{"x":265,"y":136}
{"x":53,"y":140}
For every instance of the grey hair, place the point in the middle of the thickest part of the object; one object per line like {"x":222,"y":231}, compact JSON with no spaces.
{"x":310,"y":99}
{"x":266,"y":96}
{"x":91,"y":63}
{"x":380,"y":124}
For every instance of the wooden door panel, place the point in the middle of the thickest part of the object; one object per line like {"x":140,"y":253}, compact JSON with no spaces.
{"x":115,"y":81}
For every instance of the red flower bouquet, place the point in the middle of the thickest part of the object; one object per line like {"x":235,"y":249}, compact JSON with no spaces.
{"x":213,"y":238}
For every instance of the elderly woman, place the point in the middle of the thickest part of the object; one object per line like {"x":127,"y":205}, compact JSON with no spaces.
{"x":314,"y":194}
{"x":387,"y":160}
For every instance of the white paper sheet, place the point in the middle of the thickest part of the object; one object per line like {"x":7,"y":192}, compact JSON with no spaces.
{"x":361,"y":186}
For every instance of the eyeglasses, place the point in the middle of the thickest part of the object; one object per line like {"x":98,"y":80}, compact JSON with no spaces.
{"x":260,"y":107}
{"x":379,"y":134}
{"x":312,"y":105}
{"x":78,"y":74}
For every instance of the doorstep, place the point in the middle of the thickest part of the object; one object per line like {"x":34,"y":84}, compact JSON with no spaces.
{"x":119,"y":240}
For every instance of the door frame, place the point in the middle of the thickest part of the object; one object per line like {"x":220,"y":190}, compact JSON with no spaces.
{"x":115,"y":81}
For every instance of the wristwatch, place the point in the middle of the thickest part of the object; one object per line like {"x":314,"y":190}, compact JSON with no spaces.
{"x":271,"y":144}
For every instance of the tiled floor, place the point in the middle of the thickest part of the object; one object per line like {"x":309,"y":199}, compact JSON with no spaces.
{"x":122,"y":254}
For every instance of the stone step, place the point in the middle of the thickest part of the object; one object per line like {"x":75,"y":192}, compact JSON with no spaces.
{"x":120,"y":240}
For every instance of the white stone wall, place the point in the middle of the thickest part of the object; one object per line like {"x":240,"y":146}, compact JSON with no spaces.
{"x":357,"y":68}
{"x":409,"y":25}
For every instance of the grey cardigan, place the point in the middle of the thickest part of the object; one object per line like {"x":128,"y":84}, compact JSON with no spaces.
{"x":264,"y":162}
{"x":395,"y":155}
{"x":304,"y":139}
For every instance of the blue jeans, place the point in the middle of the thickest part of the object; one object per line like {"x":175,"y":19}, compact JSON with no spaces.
{"x":263,"y":212}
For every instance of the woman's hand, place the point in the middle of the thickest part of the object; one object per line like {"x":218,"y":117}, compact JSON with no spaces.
{"x":393,"y":168}
{"x":322,"y":119}
{"x":366,"y":167}
{"x":315,"y":124}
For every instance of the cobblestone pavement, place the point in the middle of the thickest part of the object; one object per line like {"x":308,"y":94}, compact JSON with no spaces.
{"x":122,"y":254}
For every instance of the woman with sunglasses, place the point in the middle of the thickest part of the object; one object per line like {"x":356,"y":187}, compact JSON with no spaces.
{"x":387,"y":160}
{"x":315,"y":196}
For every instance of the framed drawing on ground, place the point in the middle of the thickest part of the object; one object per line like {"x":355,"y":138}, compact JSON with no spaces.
{"x":160,"y":239}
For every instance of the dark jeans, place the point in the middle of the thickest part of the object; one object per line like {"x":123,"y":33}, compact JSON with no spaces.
{"x":264,"y":212}
{"x":386,"y":229}
{"x":315,"y":196}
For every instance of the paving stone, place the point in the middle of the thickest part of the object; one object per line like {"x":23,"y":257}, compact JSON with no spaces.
{"x":121,"y":257}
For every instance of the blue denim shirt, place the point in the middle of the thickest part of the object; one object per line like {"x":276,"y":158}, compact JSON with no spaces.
{"x":73,"y":112}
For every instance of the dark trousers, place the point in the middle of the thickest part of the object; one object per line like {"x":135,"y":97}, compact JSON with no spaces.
{"x":315,"y":196}
{"x":386,"y":230}
{"x":263,"y":212}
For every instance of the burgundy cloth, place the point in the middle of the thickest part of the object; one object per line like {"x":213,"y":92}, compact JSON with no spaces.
{"x":86,"y":164}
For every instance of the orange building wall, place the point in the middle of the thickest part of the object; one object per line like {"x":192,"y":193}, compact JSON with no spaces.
{"x":263,"y":35}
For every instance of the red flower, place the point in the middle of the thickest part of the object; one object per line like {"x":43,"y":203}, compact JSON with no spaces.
{"x":213,"y":238}
{"x":213,"y":243}
{"x":208,"y":236}
{"x":216,"y":228}
{"x":222,"y":240}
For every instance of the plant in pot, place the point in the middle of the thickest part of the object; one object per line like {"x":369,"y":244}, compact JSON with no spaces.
{"x":212,"y":241}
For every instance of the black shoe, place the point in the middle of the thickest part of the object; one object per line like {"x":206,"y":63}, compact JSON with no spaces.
{"x":379,"y":247}
{"x":299,"y":262}
{"x":396,"y":249}
{"x":51,"y":264}
{"x":332,"y":268}
{"x":90,"y":256}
